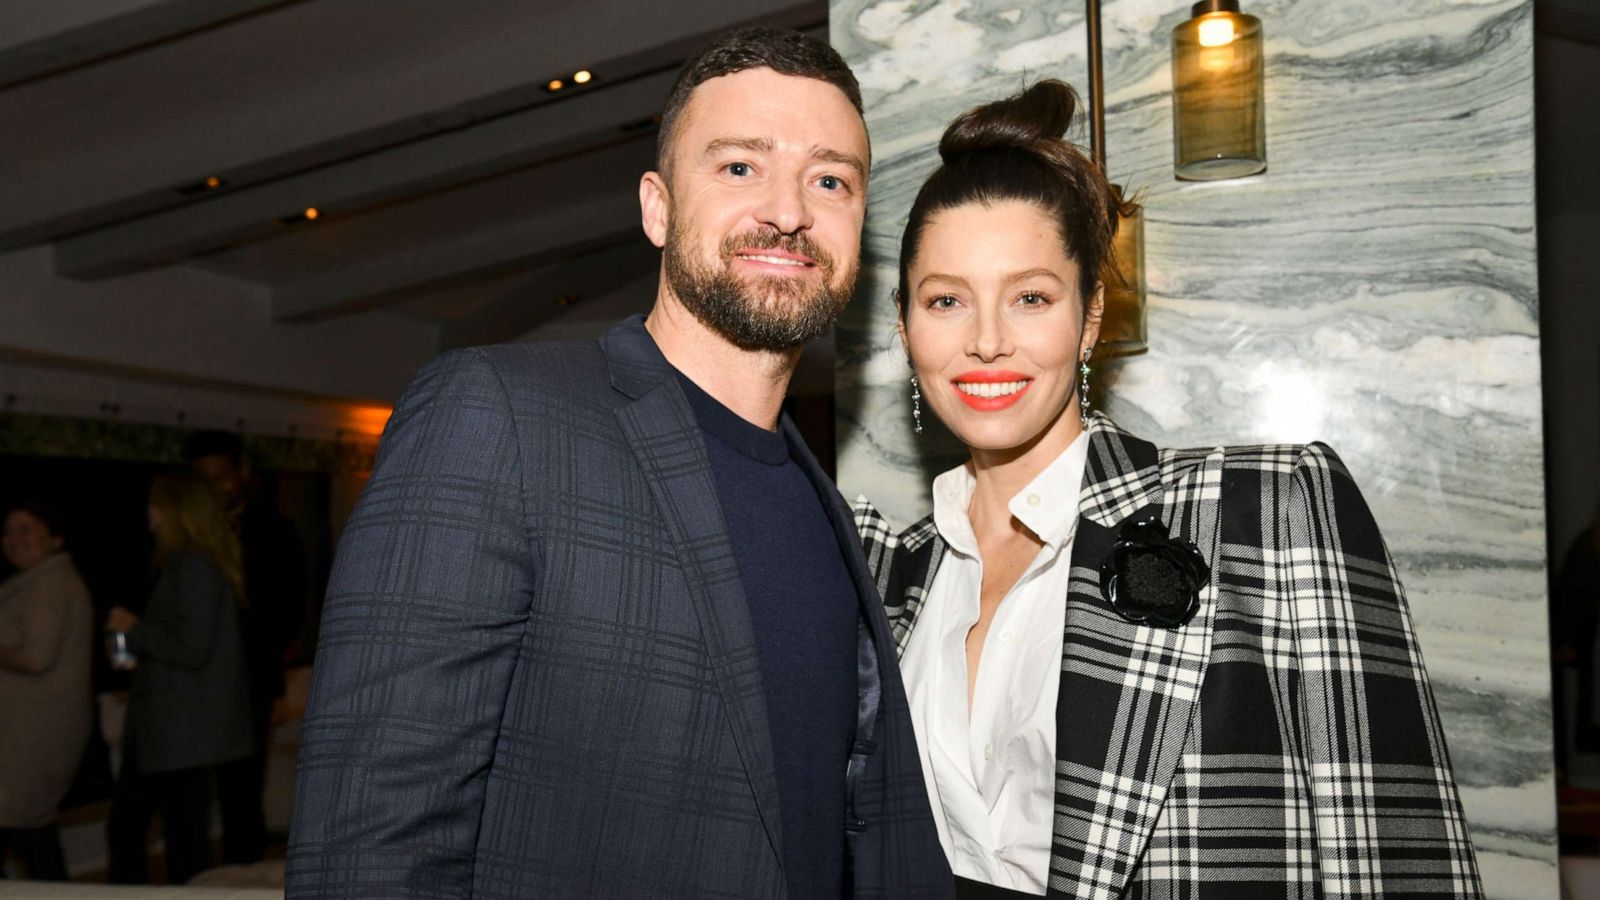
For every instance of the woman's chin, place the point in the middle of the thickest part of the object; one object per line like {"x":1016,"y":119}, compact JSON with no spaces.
{"x":993,"y":437}
{"x":1009,"y":435}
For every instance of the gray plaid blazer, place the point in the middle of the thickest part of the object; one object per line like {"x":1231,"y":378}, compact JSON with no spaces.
{"x":536,"y":675}
{"x":1281,"y":744}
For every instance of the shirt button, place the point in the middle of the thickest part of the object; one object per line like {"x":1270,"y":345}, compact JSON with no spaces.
{"x":988,"y":751}
{"x":1033,"y":499}
{"x":1005,"y":635}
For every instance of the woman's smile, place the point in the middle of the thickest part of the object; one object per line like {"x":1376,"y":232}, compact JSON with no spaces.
{"x":989,"y":390}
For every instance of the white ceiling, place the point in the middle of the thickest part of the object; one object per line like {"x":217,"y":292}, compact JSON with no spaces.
{"x":454,"y":189}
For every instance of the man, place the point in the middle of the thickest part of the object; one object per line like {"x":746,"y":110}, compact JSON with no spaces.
{"x":275,"y":597}
{"x":600,"y":627}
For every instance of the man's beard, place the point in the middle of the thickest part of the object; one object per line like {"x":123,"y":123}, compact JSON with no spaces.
{"x":765,"y":312}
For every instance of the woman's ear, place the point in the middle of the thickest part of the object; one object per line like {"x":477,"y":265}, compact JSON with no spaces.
{"x":900,"y":324}
{"x":1094,"y":310}
{"x":655,"y":207}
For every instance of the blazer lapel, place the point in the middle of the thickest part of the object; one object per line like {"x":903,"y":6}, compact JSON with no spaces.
{"x":667,"y":442}
{"x":921,"y":550}
{"x":1128,"y":692}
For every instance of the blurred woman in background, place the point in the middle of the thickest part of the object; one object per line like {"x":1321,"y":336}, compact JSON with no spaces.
{"x":46,"y":708}
{"x":189,"y":699}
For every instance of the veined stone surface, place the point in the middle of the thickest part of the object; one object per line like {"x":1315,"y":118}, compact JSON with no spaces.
{"x":1375,"y":289}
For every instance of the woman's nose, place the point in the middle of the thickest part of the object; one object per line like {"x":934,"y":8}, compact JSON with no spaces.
{"x":989,"y":340}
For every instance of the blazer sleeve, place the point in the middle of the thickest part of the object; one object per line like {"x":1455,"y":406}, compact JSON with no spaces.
{"x":180,"y":623}
{"x":1387,"y":819}
{"x":425,"y":610}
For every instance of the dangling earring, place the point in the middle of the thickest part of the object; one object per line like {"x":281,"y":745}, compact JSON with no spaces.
{"x":1083,"y":388}
{"x":916,"y":406}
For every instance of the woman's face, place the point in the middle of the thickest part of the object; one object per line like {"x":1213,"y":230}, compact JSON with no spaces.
{"x":995,"y":326}
{"x":27,"y":541}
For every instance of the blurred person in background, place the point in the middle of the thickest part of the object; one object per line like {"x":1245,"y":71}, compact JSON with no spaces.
{"x":189,"y":698}
{"x":46,"y":706}
{"x":275,"y":591}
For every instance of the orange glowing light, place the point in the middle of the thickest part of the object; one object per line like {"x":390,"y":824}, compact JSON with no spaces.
{"x":555,"y":84}
{"x":366,"y":420}
{"x":213,"y":182}
{"x":311,"y":213}
{"x":1217,"y":32}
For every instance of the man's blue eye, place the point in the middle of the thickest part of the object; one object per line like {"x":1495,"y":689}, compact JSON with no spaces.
{"x":831,"y":183}
{"x":739,"y":169}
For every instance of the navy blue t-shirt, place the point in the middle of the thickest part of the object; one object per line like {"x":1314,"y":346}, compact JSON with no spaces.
{"x":805,"y":612}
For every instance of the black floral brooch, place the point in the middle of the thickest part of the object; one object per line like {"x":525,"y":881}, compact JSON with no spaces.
{"x":1152,"y":578}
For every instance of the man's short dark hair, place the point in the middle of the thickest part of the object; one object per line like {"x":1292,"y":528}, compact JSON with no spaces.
{"x":202,"y":444}
{"x":782,"y":50}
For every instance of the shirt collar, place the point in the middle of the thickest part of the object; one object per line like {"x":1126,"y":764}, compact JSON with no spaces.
{"x":1048,"y":505}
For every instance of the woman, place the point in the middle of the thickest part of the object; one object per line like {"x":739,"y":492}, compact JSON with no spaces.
{"x":189,"y":701}
{"x":1135,"y":672}
{"x":46,"y":709}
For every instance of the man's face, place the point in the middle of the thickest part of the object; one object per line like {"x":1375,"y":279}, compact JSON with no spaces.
{"x":765,"y":206}
{"x":224,"y":474}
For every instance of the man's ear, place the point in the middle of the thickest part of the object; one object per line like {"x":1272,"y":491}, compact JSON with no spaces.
{"x":654,"y":207}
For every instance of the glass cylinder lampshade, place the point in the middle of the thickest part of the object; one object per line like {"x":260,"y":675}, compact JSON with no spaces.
{"x":1122,"y":329}
{"x":1219,"y":121}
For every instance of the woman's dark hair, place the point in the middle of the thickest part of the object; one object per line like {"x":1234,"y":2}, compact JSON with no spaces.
{"x":1013,"y":149}
{"x":47,"y":515}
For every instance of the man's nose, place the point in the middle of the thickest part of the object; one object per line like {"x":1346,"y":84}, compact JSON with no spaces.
{"x":784,"y":206}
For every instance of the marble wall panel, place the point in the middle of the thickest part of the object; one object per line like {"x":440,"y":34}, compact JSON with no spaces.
{"x":1374,"y":289}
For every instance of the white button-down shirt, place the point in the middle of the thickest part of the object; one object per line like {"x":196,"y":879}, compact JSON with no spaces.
{"x":991,"y":774}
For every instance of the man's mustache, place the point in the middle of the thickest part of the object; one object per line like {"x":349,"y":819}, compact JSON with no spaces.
{"x":775,"y":240}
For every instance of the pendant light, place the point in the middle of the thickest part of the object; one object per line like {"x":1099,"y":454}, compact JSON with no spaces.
{"x":1122,"y":329}
{"x":1219,"y":121}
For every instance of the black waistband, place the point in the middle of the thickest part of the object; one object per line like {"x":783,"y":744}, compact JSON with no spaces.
{"x":967,"y":889}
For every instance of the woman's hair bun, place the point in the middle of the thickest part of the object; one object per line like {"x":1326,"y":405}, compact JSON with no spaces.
{"x":1039,"y":115}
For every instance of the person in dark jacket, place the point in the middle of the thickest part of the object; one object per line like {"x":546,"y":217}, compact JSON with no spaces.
{"x":275,"y":605}
{"x":189,"y":700}
{"x":600,"y":626}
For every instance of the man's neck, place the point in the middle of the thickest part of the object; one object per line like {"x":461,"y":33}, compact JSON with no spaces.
{"x":752,"y":383}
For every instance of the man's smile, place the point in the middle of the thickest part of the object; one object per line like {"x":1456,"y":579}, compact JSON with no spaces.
{"x":775,"y":259}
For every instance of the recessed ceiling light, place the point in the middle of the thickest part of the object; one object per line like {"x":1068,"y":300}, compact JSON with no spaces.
{"x":311,"y":213}
{"x":582,"y":76}
{"x":555,"y":84}
{"x":213,"y":182}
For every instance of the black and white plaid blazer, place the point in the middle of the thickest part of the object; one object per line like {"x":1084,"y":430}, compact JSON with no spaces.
{"x":1281,"y":744}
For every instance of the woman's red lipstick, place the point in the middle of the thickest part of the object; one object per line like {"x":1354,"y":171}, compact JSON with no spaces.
{"x":991,"y":377}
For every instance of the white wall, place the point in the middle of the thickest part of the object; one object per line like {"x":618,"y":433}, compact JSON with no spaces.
{"x":185,"y":340}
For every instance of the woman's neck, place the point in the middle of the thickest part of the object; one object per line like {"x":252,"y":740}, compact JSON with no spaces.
{"x":1002,"y":474}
